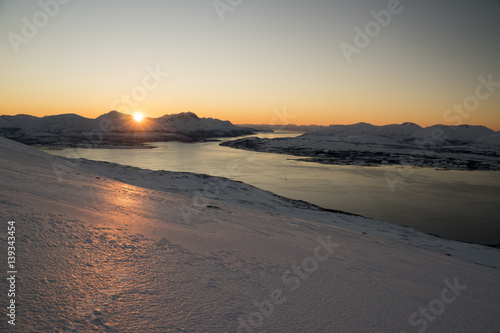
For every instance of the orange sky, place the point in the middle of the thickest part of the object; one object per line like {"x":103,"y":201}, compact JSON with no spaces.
{"x":301,"y":113}
{"x":264,"y":63}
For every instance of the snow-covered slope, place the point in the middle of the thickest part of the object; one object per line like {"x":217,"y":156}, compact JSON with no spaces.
{"x":59,"y":125}
{"x":6,"y":123}
{"x":114,"y":127}
{"x":457,"y":135}
{"x":393,"y":131}
{"x":107,"y":248}
{"x":437,"y":134}
{"x":491,"y":141}
{"x":190,"y":124}
{"x":17,"y":122}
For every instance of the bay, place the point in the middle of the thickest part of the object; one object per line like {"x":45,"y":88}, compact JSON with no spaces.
{"x":459,"y":205}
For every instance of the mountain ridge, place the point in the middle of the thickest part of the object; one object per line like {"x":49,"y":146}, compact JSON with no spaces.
{"x":408,"y":132}
{"x":115,"y":128}
{"x":462,"y":147}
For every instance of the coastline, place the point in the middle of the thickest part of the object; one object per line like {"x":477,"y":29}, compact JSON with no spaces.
{"x":379,"y":186}
{"x":113,"y":247}
{"x":367,"y":154}
{"x":195,"y":185}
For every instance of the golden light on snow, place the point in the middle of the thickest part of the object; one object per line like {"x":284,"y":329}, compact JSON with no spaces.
{"x":138,"y":117}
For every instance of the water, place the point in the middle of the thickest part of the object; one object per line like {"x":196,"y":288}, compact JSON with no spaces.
{"x":461,"y":205}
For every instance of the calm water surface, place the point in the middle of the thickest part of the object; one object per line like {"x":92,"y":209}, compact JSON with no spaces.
{"x":462,"y":205}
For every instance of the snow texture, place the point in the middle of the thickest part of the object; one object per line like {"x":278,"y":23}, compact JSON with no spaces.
{"x":109,"y":248}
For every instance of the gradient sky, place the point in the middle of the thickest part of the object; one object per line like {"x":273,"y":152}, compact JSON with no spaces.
{"x":266,"y":60}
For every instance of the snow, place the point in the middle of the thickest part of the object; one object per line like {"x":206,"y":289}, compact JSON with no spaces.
{"x":491,"y":141}
{"x":461,"y":134}
{"x":437,"y":134}
{"x":58,"y":125}
{"x":114,"y":127}
{"x":18,"y":121}
{"x":103,"y":247}
{"x":190,"y":124}
{"x":441,"y":146}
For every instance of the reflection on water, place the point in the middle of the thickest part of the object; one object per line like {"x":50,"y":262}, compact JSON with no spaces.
{"x":459,"y":205}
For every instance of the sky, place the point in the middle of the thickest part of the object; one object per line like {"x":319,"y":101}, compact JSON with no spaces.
{"x":255,"y":61}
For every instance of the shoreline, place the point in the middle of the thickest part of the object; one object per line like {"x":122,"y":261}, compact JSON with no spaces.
{"x":397,"y":165}
{"x":430,"y":231}
{"x":370,"y":155}
{"x":303,"y":204}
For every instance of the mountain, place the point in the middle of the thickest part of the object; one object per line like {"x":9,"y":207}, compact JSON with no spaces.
{"x":115,"y":128}
{"x":364,"y":132}
{"x":16,"y":122}
{"x":455,"y":147}
{"x":64,"y":124}
{"x":404,"y":133}
{"x":190,"y":124}
{"x":488,"y":142}
{"x":452,"y":135}
{"x":289,"y":127}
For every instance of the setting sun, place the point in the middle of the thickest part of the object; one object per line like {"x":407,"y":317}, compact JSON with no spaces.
{"x":138,"y":116}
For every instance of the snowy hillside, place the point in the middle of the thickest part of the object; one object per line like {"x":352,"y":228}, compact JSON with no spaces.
{"x":58,"y":125}
{"x":491,"y":141}
{"x":395,"y":132}
{"x":454,"y":147}
{"x":190,"y":124}
{"x":406,"y":132}
{"x":280,"y":128}
{"x":453,"y":135}
{"x":107,"y":248}
{"x":114,"y":128}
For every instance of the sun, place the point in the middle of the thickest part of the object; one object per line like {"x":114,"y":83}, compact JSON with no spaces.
{"x":138,"y":117}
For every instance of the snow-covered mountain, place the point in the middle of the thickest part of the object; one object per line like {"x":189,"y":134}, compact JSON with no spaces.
{"x":286,"y":128}
{"x":450,"y":135}
{"x":102,"y":247}
{"x":393,"y":131}
{"x":490,"y":141}
{"x":404,"y":133}
{"x":456,"y":147}
{"x":16,"y":122}
{"x":190,"y":124}
{"x":115,"y":127}
{"x":58,"y":125}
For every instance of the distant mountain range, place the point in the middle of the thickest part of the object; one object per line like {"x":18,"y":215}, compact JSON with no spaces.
{"x":115,"y":128}
{"x":118,"y":129}
{"x":454,"y":147}
{"x":405,"y":133}
{"x":288,"y":127}
{"x":410,"y":133}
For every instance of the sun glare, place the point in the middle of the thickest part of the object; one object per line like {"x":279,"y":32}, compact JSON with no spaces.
{"x":138,"y":117}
